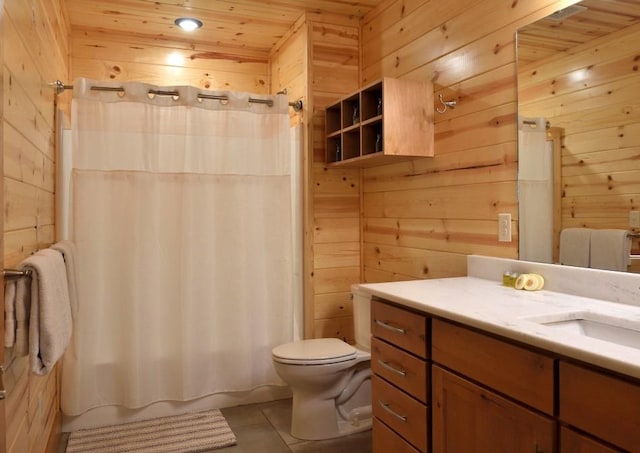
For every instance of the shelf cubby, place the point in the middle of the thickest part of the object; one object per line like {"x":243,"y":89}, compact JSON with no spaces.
{"x":394,"y":120}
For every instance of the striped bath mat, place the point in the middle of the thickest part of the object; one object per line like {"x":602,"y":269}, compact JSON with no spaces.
{"x":187,"y":433}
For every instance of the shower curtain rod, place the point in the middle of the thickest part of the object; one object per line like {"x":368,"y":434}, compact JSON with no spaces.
{"x":59,"y":87}
{"x":533,"y":123}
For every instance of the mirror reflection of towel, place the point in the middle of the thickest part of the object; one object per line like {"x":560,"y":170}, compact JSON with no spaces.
{"x":610,"y":249}
{"x":575,"y":246}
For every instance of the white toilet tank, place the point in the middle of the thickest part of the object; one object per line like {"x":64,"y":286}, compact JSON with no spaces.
{"x":361,"y":318}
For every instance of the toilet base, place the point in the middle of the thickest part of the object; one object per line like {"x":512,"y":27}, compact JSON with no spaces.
{"x":321,"y":420}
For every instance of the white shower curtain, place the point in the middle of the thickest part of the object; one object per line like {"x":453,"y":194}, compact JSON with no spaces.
{"x":181,"y":213}
{"x":535,"y":191}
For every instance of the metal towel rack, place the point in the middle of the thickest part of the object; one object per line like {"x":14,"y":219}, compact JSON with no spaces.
{"x":9,"y":274}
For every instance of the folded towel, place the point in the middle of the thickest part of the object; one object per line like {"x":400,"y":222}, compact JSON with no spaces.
{"x":9,"y":313}
{"x":17,"y":305}
{"x":50,"y":314}
{"x":23,"y":309}
{"x":610,"y":249}
{"x":575,"y":246}
{"x":68,"y":250}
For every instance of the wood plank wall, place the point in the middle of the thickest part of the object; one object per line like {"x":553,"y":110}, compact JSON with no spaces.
{"x":35,"y":51}
{"x":3,"y":418}
{"x":335,"y":193}
{"x":125,"y":57}
{"x":421,"y":218}
{"x":319,"y":61}
{"x":288,"y":69}
{"x":599,"y":110}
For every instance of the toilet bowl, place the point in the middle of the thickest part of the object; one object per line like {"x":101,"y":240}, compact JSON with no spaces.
{"x":330,"y":379}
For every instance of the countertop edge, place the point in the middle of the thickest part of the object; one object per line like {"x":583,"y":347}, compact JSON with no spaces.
{"x":513,"y":330}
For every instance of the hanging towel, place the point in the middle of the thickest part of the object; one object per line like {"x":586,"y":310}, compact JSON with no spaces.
{"x":9,"y":313}
{"x":17,"y":304}
{"x":23,"y":308}
{"x":575,"y":246}
{"x":68,"y":250}
{"x":610,"y":249}
{"x":50,"y":314}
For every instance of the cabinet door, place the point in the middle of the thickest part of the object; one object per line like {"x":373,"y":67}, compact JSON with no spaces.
{"x":572,"y":442}
{"x":602,"y":405}
{"x":468,"y":418}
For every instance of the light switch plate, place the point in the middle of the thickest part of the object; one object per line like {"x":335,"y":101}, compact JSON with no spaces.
{"x":504,"y":227}
{"x":634,"y":219}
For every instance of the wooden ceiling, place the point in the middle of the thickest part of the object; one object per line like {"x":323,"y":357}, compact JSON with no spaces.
{"x":547,"y":37}
{"x":248,"y":27}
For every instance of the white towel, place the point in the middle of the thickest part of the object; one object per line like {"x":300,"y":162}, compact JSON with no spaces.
{"x":575,"y":246}
{"x":9,"y":313}
{"x":23,"y":308}
{"x":17,"y":305}
{"x":610,"y":249}
{"x":50,"y":316}
{"x":68,"y":250}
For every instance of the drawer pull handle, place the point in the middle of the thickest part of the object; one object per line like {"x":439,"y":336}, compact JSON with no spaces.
{"x":386,"y":407}
{"x":392,"y":368}
{"x":391,"y":328}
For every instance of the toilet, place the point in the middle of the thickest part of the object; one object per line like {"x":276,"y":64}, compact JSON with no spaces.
{"x":330,"y":379}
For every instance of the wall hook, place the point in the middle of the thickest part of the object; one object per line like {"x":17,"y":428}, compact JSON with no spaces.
{"x":446,"y":104}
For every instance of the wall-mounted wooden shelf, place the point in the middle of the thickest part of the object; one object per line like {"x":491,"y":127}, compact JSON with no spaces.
{"x":383,"y":122}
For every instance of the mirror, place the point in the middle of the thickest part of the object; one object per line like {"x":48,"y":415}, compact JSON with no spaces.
{"x":579,"y":125}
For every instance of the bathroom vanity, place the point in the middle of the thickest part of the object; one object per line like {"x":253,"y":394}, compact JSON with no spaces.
{"x":467,"y":364}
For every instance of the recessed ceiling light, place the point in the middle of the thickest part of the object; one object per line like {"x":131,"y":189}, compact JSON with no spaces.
{"x":188,"y":23}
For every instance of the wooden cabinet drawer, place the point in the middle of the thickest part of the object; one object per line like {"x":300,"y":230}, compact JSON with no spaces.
{"x":525,"y":375}
{"x":401,"y":327}
{"x":572,"y":442}
{"x":605,"y":406}
{"x":400,"y":368}
{"x":405,"y":415}
{"x":385,"y":440}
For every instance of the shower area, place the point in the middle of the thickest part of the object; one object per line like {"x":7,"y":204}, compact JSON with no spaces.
{"x":539,"y":189}
{"x":185,"y":208}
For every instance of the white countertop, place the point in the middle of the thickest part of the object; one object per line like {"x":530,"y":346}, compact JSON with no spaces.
{"x":490,"y":306}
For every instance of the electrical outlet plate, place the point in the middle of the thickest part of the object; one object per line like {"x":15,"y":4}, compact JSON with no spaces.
{"x":634,"y":219}
{"x":504,"y":227}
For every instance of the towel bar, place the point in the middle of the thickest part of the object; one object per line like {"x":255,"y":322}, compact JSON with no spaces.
{"x":14,"y":273}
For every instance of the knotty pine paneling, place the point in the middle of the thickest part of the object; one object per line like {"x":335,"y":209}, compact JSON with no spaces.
{"x":334,"y":193}
{"x":288,"y":70}
{"x":112,"y":57}
{"x":421,"y":218}
{"x":318,"y":62}
{"x":3,"y":358}
{"x":592,"y":96}
{"x":35,"y":48}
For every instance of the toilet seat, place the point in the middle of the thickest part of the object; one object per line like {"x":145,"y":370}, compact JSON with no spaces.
{"x":319,"y":351}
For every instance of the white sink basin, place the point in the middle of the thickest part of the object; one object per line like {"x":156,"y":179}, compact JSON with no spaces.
{"x":595,"y":325}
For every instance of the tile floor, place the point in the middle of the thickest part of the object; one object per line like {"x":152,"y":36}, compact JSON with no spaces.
{"x":264,"y":428}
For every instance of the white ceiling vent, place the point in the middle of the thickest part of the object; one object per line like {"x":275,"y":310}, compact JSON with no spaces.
{"x":567,"y":12}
